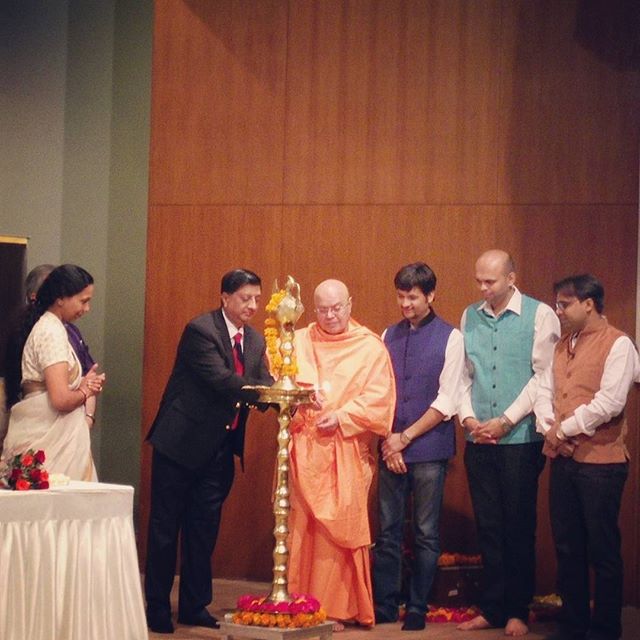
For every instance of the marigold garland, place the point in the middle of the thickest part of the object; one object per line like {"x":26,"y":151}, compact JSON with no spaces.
{"x":451,"y":614}
{"x":271,"y":335}
{"x":550,"y":600}
{"x":542,"y":608}
{"x":545,"y":607}
{"x":458,"y":560}
{"x":302,"y":611}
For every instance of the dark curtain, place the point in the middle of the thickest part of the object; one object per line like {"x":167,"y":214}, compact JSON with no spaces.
{"x":13,"y":257}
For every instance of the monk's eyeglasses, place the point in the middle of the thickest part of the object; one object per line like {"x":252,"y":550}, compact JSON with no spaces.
{"x":336,"y":309}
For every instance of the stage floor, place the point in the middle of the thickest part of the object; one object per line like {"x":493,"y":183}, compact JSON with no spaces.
{"x":226,"y":593}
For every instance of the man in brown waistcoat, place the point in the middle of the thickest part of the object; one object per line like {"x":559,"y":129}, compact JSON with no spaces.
{"x":580,"y":410}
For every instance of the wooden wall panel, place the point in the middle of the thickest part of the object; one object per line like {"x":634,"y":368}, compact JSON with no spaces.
{"x":552,"y":242}
{"x":218,"y":101}
{"x":188,"y":251}
{"x":548,"y":244}
{"x":566,"y":119}
{"x":380,"y":133}
{"x":365,"y":246}
{"x":391,"y":102}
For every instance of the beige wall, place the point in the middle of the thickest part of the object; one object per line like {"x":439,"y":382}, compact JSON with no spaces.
{"x":33,"y":64}
{"x":73,"y":177}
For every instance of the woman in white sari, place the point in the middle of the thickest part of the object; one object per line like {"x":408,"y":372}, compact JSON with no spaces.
{"x":52,"y":414}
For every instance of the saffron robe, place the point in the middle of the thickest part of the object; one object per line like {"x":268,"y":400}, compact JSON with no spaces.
{"x":331,"y":472}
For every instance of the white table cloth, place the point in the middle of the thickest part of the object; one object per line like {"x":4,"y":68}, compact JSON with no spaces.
{"x":69,"y":565}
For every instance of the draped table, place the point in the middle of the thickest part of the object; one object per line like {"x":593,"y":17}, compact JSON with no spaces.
{"x":69,"y":565}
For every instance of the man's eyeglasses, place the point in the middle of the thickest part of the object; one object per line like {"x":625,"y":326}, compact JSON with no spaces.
{"x":563,"y":305}
{"x":336,"y":309}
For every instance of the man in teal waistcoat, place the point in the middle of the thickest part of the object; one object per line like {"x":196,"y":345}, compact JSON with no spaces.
{"x":509,"y":340}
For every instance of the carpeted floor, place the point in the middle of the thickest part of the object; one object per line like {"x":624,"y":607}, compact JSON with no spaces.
{"x":226,"y":593}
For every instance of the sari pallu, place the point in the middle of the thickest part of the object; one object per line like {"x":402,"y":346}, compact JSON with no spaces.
{"x":63,"y":436}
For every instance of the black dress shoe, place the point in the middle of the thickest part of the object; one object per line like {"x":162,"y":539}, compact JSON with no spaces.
{"x":159,"y":623}
{"x":201,"y":619}
{"x":413,"y":622}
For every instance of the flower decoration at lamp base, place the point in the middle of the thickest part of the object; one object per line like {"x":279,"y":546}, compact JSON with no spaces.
{"x":24,"y":472}
{"x":302,"y":611}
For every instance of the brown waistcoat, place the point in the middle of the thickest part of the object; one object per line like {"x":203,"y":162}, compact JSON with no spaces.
{"x":577,"y":374}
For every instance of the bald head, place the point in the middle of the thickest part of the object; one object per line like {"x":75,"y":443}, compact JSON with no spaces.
{"x":498,"y":259}
{"x":331,"y":288}
{"x":495,"y":275}
{"x":333,"y":306}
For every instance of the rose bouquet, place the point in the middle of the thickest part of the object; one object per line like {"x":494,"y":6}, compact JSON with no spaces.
{"x":24,"y":471}
{"x":302,"y":611}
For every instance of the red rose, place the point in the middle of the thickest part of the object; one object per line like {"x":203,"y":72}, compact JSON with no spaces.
{"x":27,"y":460}
{"x":35,"y":475}
{"x":23,"y":485}
{"x":44,"y":475}
{"x":43,"y":484}
{"x":39,"y":456}
{"x":16,"y":474}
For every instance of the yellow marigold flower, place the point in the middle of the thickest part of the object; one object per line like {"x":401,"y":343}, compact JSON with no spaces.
{"x":272,"y":335}
{"x":288,"y":370}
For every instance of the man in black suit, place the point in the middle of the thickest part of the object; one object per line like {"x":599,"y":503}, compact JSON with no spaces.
{"x":199,"y":427}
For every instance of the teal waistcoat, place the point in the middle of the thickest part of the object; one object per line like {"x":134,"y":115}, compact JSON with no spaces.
{"x":500,"y":352}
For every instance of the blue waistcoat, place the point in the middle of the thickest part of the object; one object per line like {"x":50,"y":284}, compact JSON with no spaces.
{"x":417,"y":356}
{"x":500,"y":353}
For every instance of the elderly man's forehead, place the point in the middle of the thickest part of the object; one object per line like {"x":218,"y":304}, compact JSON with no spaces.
{"x":331,"y":289}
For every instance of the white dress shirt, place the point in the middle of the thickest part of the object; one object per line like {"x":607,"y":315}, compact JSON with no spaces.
{"x":546,"y":332}
{"x":621,"y":370}
{"x":446,"y":401}
{"x":232,"y":329}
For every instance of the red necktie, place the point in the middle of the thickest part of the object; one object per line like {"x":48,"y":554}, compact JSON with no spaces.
{"x":238,"y":358}
{"x":238,"y":363}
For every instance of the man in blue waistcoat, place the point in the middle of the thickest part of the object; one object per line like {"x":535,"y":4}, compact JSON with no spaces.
{"x":428,"y":359}
{"x":509,"y":340}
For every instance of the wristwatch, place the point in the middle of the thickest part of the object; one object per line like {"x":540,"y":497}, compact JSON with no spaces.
{"x":506,"y":424}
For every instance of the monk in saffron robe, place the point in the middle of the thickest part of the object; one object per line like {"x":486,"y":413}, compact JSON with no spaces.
{"x":332,"y":456}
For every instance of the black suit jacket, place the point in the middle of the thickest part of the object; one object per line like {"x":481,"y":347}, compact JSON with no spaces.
{"x":204,"y":393}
